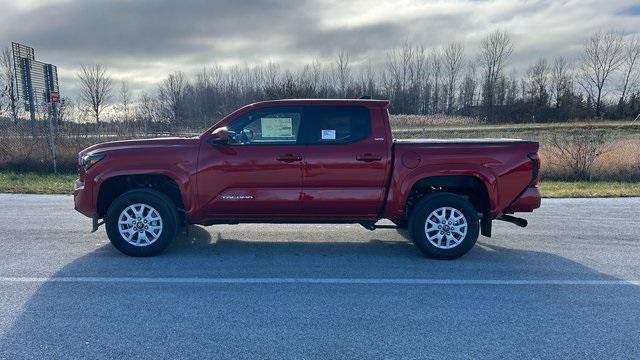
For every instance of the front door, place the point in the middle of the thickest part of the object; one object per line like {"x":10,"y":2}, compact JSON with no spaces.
{"x":258,"y":174}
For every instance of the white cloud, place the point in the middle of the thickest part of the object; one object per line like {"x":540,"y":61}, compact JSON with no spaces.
{"x":144,"y":40}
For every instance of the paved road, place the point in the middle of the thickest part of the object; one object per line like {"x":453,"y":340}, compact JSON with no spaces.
{"x":568,"y":286}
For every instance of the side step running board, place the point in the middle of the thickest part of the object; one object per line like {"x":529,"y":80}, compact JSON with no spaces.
{"x":514,"y":220}
{"x":372,"y":226}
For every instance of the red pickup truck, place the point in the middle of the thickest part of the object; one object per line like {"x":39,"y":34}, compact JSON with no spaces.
{"x":307,"y":161}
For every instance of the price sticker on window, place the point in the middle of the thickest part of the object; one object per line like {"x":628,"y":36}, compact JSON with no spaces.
{"x":277,"y":127}
{"x":328,"y":134}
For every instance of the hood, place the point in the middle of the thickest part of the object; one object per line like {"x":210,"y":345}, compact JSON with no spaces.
{"x":140,"y":144}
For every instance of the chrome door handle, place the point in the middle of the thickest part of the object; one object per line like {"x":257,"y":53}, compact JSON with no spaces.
{"x":369,"y":157}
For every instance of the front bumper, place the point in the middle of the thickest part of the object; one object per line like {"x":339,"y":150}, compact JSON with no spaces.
{"x":83,"y":198}
{"x":527,"y":202}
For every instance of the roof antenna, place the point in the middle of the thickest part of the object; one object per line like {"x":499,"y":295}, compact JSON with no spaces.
{"x":365,"y":97}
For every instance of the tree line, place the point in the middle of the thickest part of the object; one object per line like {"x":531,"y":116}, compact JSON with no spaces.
{"x":603,"y":82}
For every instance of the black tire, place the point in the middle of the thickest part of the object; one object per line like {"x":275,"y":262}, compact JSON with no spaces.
{"x":424,"y":208}
{"x":157,"y":200}
{"x":404,"y":232}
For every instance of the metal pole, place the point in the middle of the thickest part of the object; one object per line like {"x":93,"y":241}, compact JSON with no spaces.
{"x":590,"y":157}
{"x":34,"y":129}
{"x":52,"y":139}
{"x":26,"y":75}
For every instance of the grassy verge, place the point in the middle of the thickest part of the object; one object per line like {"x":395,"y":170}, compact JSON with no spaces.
{"x":37,"y":183}
{"x":562,"y":189}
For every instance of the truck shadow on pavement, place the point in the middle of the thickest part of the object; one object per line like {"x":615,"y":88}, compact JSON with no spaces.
{"x":130,"y":319}
{"x":203,"y":252}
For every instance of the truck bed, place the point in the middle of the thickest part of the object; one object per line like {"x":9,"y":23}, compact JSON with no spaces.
{"x":503,"y":165}
{"x":462,"y":141}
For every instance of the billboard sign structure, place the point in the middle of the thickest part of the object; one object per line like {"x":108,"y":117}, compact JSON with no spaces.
{"x":36,"y":82}
{"x":37,"y":87}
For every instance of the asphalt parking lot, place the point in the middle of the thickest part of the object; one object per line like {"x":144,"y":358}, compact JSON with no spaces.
{"x":568,"y":286}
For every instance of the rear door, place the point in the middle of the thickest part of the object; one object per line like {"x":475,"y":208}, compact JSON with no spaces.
{"x":258,"y":174}
{"x":345,"y":162}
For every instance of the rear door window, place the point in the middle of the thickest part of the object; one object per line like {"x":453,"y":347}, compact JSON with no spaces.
{"x":336,"y":124}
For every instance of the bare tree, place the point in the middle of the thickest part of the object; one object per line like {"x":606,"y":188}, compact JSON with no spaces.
{"x":578,"y":149}
{"x":406,"y":72}
{"x":369,"y":80}
{"x":399,"y":64}
{"x":631,"y":75}
{"x":171,"y":96}
{"x":420,"y":73}
{"x":8,"y":89}
{"x":469,"y":86}
{"x":453,"y":57}
{"x":4,"y":104}
{"x":146,"y":111}
{"x":343,"y":72}
{"x":495,"y":50}
{"x":511,"y":89}
{"x":436,"y":68}
{"x":125,"y":100}
{"x":65,"y":110}
{"x":602,"y":56}
{"x":560,"y":79}
{"x":538,"y":82}
{"x":316,"y":74}
{"x":272,"y":73}
{"x":95,"y":89}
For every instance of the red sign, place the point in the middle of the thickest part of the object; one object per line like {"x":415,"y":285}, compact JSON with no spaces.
{"x":54,"y":97}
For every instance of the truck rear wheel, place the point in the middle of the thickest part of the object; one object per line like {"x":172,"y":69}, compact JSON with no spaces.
{"x":444,"y":226}
{"x":141,"y":222}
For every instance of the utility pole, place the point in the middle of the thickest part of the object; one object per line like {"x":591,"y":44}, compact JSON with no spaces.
{"x":52,"y":119}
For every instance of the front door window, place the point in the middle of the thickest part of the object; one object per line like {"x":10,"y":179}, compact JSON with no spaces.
{"x":273,"y":126}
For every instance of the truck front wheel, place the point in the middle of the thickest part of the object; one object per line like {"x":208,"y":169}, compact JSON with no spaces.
{"x":141,"y":222}
{"x":444,"y":226}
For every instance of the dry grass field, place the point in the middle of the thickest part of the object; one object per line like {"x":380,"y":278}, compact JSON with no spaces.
{"x":418,"y":122}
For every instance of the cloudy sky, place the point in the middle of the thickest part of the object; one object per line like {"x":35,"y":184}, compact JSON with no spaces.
{"x":141,"y":41}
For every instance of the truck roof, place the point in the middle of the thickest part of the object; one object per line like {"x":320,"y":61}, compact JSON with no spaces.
{"x":329,"y":102}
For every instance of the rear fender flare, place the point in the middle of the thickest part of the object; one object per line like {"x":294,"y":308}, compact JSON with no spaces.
{"x":483,"y":174}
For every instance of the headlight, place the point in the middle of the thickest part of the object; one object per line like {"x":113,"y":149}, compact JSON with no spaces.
{"x":90,"y":160}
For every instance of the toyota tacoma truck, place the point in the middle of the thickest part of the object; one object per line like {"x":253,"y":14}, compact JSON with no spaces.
{"x":307,"y":161}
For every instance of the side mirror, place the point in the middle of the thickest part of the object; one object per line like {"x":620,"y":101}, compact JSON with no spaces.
{"x":219,"y":136}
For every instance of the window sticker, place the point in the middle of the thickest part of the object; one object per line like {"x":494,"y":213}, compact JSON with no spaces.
{"x":328,"y":134}
{"x":276,"y":127}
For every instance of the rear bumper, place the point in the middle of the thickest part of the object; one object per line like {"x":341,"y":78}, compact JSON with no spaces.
{"x":527,"y":202}
{"x":83,"y":199}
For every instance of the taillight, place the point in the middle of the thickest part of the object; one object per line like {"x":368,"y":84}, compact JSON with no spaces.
{"x":535,"y":173}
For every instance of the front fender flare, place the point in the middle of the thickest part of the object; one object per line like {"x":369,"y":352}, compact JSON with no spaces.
{"x":174,"y":172}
